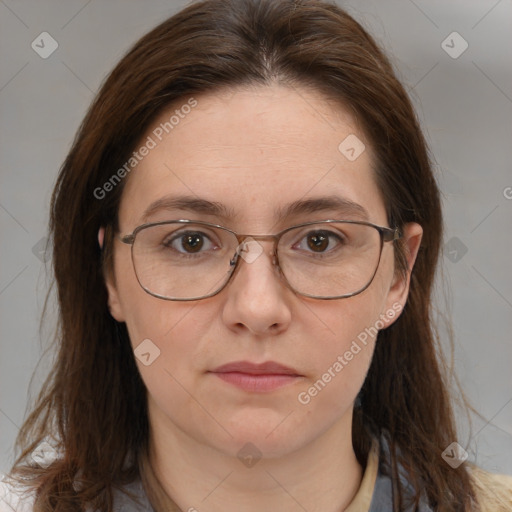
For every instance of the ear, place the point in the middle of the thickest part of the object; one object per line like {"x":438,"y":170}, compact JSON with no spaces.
{"x":114,"y":304}
{"x":101,"y":236}
{"x":399,"y":289}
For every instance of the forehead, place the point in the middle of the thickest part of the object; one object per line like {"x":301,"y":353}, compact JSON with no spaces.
{"x":253,"y":151}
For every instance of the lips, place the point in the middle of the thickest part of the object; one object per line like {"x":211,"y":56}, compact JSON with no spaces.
{"x":257,"y":378}
{"x":268,"y":368}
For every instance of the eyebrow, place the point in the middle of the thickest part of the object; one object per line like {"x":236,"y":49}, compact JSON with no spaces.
{"x":340,"y":205}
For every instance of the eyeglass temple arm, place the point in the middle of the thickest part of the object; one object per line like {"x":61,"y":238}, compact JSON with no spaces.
{"x":390,"y":234}
{"x":127,"y":239}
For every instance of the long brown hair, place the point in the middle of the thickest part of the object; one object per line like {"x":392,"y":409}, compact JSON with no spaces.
{"x":94,"y":401}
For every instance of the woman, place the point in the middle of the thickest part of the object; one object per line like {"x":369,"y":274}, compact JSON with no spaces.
{"x":245,"y":236}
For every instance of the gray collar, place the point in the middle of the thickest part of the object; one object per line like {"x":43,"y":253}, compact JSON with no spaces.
{"x":382,"y":498}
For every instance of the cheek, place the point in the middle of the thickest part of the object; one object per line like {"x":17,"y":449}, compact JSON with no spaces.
{"x":166,"y":340}
{"x":345,"y":349}
{"x":161,"y":332}
{"x":343,"y":353}
{"x":145,"y":316}
{"x":174,"y":329}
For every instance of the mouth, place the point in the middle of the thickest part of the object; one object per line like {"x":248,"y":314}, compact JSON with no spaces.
{"x":257,"y":377}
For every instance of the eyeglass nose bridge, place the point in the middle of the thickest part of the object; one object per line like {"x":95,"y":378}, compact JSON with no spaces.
{"x":244,"y":240}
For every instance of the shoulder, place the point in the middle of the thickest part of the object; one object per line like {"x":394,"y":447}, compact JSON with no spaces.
{"x":494,"y":491}
{"x":15,"y":497}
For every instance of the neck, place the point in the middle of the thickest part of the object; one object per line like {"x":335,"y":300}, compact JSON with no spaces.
{"x":321,"y":476}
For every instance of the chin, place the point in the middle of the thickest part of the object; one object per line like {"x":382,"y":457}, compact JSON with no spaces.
{"x":265,"y":435}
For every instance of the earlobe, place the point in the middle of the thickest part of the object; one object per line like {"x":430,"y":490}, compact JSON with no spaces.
{"x":114,"y":305}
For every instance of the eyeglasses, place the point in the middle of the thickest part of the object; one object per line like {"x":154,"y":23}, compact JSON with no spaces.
{"x":192,"y":260}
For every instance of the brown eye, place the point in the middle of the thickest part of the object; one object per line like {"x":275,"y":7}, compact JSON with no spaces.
{"x":192,"y":243}
{"x":318,"y":242}
{"x":189,"y":242}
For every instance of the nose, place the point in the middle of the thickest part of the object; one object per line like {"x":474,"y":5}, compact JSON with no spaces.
{"x":257,"y":298}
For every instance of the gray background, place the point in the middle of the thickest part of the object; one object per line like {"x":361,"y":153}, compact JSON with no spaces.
{"x":464,"y":103}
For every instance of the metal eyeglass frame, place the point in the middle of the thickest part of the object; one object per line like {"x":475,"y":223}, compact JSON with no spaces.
{"x":386,"y":235}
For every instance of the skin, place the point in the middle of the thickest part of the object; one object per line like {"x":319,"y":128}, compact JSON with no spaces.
{"x":253,"y":149}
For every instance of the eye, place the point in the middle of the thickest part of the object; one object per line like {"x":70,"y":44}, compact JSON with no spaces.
{"x":189,"y":242}
{"x":320,"y":241}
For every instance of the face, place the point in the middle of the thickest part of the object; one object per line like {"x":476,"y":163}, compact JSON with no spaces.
{"x":254,"y":150}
